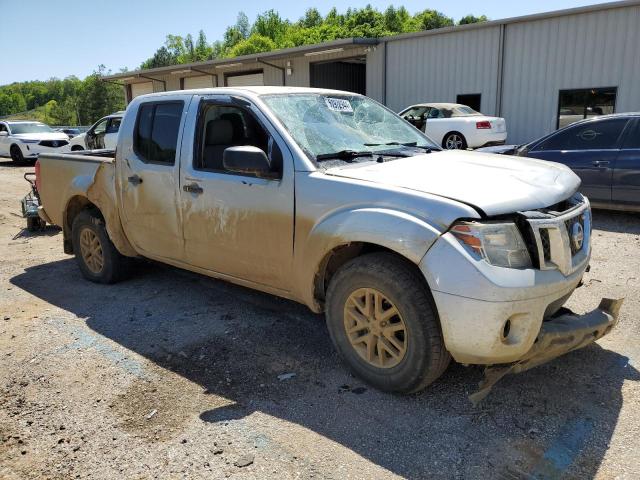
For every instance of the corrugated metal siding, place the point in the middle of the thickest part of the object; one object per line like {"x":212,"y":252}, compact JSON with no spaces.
{"x":375,"y":73}
{"x":437,"y":68}
{"x":596,"y":49}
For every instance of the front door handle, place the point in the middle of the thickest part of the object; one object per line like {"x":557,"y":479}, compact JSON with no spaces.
{"x":193,"y":188}
{"x":600,"y":163}
{"x":135,"y":180}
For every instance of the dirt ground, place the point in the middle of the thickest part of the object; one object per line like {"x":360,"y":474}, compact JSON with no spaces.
{"x":174,"y":375}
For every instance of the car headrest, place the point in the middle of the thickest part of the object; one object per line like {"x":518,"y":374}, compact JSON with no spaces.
{"x":219,"y":132}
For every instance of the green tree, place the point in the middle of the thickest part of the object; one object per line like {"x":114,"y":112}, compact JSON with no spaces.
{"x":254,"y":44}
{"x":467,"y":19}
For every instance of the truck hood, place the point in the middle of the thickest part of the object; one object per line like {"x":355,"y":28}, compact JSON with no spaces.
{"x":494,"y":184}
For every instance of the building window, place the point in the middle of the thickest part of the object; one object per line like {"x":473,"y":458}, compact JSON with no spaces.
{"x":574,"y":105}
{"x":471,"y":100}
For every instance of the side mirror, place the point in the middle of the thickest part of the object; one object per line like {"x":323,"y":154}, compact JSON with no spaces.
{"x":247,"y":159}
{"x":4,"y":133}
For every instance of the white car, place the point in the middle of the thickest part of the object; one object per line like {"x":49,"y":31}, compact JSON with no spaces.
{"x":102,"y":134}
{"x":24,"y":140}
{"x":456,"y":126}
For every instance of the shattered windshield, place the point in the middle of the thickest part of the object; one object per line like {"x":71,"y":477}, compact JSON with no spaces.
{"x":325,"y":125}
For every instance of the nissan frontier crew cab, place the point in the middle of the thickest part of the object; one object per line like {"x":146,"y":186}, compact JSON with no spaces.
{"x":415,"y":255}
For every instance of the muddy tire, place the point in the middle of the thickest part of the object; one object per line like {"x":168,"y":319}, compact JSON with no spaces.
{"x":97,"y":257}
{"x":383,"y":322}
{"x":16,"y":155}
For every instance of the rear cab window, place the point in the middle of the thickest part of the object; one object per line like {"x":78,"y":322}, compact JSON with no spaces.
{"x":156,"y":134}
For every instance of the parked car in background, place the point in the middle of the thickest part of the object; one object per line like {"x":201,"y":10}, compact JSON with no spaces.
{"x":327,"y":198}
{"x":603,"y":151}
{"x":70,"y":131}
{"x":24,"y":140}
{"x":456,"y":126}
{"x":102,"y":135}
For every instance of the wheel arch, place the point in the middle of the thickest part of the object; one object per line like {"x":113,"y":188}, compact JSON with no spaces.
{"x":347,"y":235}
{"x":75,"y":205}
{"x":340,"y":255}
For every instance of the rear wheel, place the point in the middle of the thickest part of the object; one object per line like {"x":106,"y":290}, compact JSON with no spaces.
{"x":454,"y":141}
{"x":97,"y":257}
{"x":383,"y":323}
{"x":16,"y":155}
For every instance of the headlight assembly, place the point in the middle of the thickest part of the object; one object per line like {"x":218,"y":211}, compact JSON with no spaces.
{"x":499,"y":244}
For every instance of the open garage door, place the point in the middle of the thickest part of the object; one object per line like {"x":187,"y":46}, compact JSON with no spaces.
{"x":245,"y":79}
{"x":348,"y":74}
{"x":138,"y":89}
{"x":200,"y":81}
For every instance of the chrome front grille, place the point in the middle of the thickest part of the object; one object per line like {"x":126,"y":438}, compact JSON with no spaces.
{"x":563,"y":239}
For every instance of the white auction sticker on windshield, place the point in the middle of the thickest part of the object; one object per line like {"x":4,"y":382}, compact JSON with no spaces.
{"x":339,"y":105}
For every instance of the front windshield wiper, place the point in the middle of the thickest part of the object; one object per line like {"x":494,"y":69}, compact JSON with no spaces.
{"x":344,"y":155}
{"x":407,"y":144}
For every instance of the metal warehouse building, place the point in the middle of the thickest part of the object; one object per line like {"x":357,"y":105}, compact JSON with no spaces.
{"x":540,"y":71}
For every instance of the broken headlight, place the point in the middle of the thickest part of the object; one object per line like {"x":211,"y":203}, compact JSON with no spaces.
{"x":500,"y":244}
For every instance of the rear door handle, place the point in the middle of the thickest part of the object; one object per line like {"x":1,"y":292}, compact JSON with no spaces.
{"x":600,"y":163}
{"x":193,"y":188}
{"x":135,"y":180}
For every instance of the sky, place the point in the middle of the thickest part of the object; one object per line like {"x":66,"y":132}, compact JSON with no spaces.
{"x":41,"y":39}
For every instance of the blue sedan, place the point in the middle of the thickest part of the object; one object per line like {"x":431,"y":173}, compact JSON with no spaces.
{"x":603,"y":151}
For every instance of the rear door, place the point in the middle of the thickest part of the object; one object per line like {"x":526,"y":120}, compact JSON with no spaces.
{"x":626,"y":174}
{"x":149,"y":180}
{"x":590,"y":149}
{"x":4,"y":140}
{"x":237,"y":224}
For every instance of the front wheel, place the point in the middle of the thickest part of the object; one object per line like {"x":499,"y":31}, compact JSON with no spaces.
{"x":16,"y":155}
{"x":384,"y":325}
{"x":454,"y":141}
{"x":96,"y":255}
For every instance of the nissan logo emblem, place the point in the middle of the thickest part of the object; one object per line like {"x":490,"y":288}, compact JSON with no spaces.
{"x":55,"y":144}
{"x":577,"y":235}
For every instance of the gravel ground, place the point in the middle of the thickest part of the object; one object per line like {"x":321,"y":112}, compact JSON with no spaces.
{"x":174,"y":375}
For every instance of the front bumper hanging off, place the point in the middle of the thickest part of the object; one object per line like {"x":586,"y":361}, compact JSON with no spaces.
{"x":558,"y":336}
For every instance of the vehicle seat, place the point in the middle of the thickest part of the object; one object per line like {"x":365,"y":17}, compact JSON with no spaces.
{"x":218,"y":137}
{"x":237,"y":125}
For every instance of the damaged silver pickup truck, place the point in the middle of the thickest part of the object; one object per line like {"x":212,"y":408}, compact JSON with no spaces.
{"x":330,"y":199}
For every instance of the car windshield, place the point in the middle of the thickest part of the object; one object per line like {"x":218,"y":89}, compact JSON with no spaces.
{"x":327,"y":124}
{"x":19,"y":128}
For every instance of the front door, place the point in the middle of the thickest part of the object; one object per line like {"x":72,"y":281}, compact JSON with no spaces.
{"x":149,"y":180}
{"x":95,"y":136}
{"x":236,"y":224}
{"x":590,"y":149}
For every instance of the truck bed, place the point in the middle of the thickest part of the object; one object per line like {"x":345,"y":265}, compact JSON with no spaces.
{"x":70,"y":179}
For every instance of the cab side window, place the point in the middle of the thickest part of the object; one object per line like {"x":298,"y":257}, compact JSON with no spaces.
{"x":3,"y":128}
{"x":224,"y":126}
{"x":156,"y":134}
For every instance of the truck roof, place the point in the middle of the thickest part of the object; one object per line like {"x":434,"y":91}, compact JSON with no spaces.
{"x":256,"y":90}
